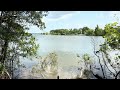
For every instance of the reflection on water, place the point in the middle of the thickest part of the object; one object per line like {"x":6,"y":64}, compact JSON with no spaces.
{"x":67,"y":48}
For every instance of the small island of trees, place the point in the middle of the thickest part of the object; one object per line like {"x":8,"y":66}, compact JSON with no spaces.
{"x":81,"y":31}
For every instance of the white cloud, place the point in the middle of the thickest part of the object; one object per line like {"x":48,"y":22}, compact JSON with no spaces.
{"x":60,"y":15}
{"x":60,"y":18}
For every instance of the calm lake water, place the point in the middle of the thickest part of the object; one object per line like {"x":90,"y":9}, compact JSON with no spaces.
{"x":67,"y":48}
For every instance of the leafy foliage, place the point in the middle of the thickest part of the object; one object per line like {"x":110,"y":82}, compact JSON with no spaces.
{"x":15,"y":41}
{"x":111,"y":44}
{"x":112,"y":35}
{"x":84,"y":31}
{"x":99,"y":31}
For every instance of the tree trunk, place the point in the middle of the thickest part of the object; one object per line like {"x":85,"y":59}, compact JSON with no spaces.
{"x":4,"y":51}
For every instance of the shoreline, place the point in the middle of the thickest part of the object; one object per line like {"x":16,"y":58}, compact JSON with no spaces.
{"x":66,"y":35}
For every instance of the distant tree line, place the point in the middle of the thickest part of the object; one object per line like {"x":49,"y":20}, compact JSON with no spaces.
{"x":81,"y":31}
{"x":45,"y":33}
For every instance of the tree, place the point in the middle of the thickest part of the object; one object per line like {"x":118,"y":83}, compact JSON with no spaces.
{"x":99,"y":31}
{"x":65,"y":32}
{"x":96,"y":30}
{"x":16,"y":41}
{"x":111,"y":44}
{"x":109,"y":67}
{"x":90,"y":32}
{"x":112,"y":35}
{"x":84,"y":29}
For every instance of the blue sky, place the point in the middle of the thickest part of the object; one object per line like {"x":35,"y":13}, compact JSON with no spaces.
{"x":76,"y":19}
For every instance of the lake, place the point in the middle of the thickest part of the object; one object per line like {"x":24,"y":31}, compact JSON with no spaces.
{"x":67,"y":48}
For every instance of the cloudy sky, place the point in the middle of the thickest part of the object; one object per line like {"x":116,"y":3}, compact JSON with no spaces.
{"x":76,"y":19}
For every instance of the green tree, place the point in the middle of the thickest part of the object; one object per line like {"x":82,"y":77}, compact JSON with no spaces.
{"x":112,"y":35}
{"x":90,"y":32}
{"x":15,"y":41}
{"x":84,"y":29}
{"x":99,"y":31}
{"x":96,"y":30}
{"x":111,"y":44}
{"x":65,"y":32}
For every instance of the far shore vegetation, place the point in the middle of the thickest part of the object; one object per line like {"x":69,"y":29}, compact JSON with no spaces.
{"x":85,"y":31}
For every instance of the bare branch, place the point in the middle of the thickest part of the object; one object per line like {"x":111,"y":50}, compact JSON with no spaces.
{"x":106,"y":65}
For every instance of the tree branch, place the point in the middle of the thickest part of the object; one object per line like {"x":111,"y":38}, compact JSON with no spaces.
{"x":98,"y":58}
{"x":117,"y":75}
{"x":107,"y":66}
